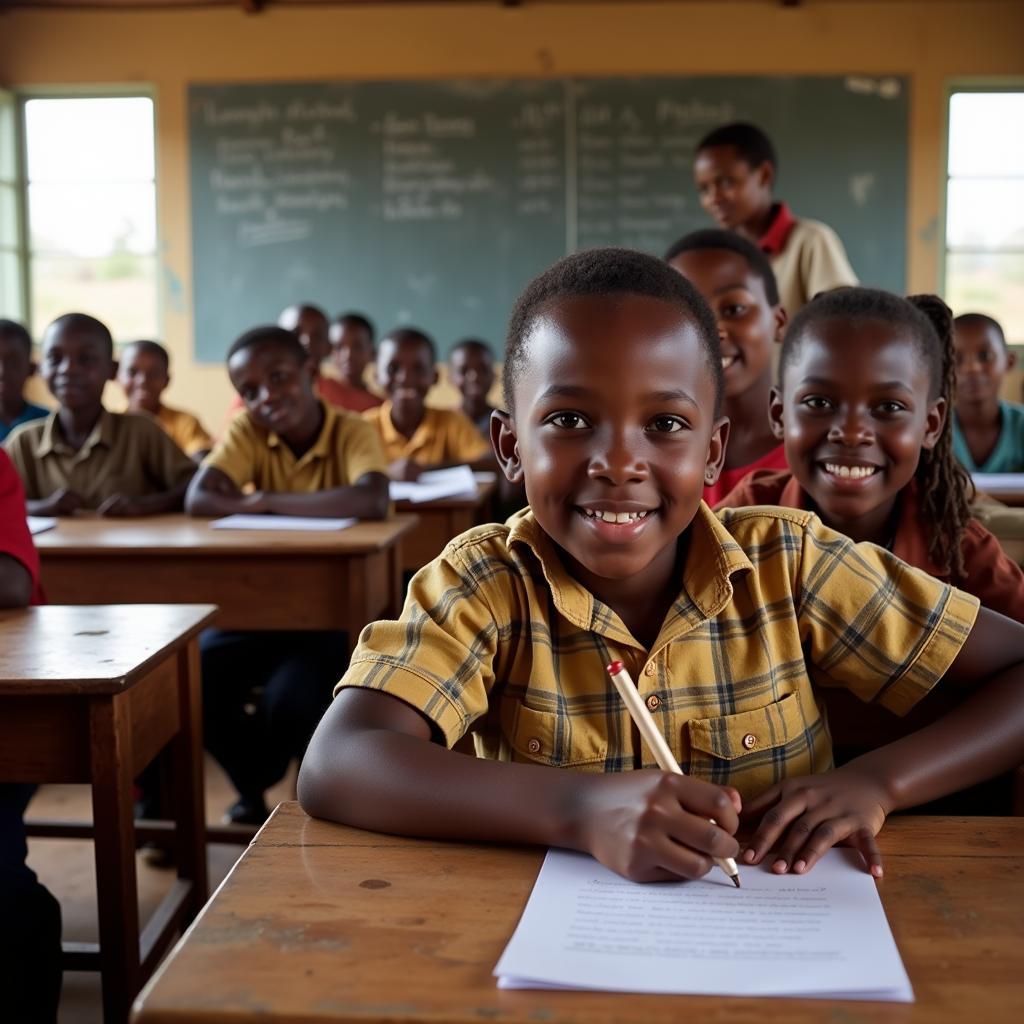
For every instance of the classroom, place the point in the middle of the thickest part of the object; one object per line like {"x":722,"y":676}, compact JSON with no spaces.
{"x":403,"y":399}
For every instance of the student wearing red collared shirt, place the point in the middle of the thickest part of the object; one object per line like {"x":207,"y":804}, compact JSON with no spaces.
{"x":735,"y":170}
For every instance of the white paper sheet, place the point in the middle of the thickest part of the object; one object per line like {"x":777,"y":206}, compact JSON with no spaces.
{"x":996,"y":484}
{"x":819,"y":935}
{"x":455,"y":482}
{"x":40,"y":524}
{"x":293,"y":523}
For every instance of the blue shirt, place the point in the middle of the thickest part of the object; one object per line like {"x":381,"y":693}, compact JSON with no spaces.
{"x":29,"y":413}
{"x":1008,"y":454}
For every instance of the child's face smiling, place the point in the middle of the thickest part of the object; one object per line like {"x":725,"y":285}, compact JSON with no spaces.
{"x":76,"y":366}
{"x":405,"y":372}
{"x":730,"y":190}
{"x":748,"y":325}
{"x":472,"y":372}
{"x":353,"y":351}
{"x":276,"y":388}
{"x":143,"y":377}
{"x":614,"y":417}
{"x":981,"y":362}
{"x":855,"y":414}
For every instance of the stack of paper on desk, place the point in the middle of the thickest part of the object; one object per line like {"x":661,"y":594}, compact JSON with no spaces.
{"x":819,"y":935}
{"x":456,"y":482}
{"x":311,"y":523}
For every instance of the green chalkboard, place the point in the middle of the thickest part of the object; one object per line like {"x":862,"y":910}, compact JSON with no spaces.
{"x":433,"y":203}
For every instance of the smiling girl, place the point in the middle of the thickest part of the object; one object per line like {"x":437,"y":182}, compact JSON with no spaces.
{"x":863,"y":405}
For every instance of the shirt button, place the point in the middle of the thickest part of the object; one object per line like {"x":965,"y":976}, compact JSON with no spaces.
{"x":533,"y":746}
{"x":749,"y":741}
{"x":650,"y":669}
{"x":653,"y":701}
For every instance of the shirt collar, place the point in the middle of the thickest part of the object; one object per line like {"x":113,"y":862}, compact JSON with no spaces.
{"x":52,"y":439}
{"x":712,"y":558}
{"x":321,"y":447}
{"x":783,"y":222}
{"x":391,"y":436}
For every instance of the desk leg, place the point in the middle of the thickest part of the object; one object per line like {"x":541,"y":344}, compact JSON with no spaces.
{"x":187,"y":752}
{"x":110,"y":743}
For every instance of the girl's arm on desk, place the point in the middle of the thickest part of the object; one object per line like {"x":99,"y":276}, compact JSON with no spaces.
{"x":371,"y":763}
{"x":981,"y":738}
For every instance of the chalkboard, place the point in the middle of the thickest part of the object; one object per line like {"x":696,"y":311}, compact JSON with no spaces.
{"x":433,"y":203}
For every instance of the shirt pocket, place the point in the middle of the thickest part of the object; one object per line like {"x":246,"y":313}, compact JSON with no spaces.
{"x":544,"y":737}
{"x":752,"y":749}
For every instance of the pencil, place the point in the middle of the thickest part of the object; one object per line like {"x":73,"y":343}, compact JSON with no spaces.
{"x":662,"y":754}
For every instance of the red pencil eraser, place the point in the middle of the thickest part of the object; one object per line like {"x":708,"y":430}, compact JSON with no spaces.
{"x":615,"y":668}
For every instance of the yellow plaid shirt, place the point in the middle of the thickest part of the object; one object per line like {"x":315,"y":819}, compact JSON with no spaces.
{"x":497,"y":639}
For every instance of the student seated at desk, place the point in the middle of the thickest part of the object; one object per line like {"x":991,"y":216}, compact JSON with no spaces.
{"x":736,"y":280}
{"x":306,"y":458}
{"x":144,"y":373}
{"x":735,"y":173}
{"x":988,"y":432}
{"x":351,"y":337}
{"x":16,"y":367}
{"x":863,"y":404}
{"x":30,"y":925}
{"x":471,"y":370}
{"x":728,"y":622}
{"x":84,"y":457}
{"x":416,"y":437}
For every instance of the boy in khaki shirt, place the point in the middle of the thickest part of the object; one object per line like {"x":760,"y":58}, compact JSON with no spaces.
{"x":728,"y":624}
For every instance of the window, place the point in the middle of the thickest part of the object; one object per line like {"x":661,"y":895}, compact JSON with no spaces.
{"x":11,"y":290}
{"x":985,"y":207}
{"x":91,"y":212}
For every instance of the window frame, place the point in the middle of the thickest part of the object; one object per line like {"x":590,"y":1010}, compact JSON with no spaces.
{"x":22,"y":95}
{"x":979,"y":83}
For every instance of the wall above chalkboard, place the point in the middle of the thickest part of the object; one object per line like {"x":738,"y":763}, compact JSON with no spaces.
{"x":434,"y":202}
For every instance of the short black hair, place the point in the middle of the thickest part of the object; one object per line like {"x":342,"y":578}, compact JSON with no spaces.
{"x":750,"y":143}
{"x":715,"y":238}
{"x":401,"y":335}
{"x":354,"y":319}
{"x":269,"y":335}
{"x":475,"y":344}
{"x":981,"y":320}
{"x":84,"y":322}
{"x":608,"y":272}
{"x":152,"y":348}
{"x":12,"y":329}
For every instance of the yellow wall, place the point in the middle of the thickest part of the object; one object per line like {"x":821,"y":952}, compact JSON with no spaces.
{"x":932,"y":42}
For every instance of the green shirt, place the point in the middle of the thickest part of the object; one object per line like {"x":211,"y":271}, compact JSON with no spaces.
{"x":1008,"y":454}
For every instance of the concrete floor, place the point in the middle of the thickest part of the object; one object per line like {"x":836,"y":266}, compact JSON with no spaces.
{"x":66,"y":868}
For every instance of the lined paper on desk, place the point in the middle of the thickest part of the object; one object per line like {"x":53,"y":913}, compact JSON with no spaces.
{"x":819,"y":935}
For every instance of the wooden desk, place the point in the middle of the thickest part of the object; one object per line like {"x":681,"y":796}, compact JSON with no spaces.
{"x":339,"y":579}
{"x":440,"y":521}
{"x":318,"y":922}
{"x":92,"y":695}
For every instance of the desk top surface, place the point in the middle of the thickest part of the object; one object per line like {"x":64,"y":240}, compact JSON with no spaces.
{"x":171,"y":535}
{"x":320,"y":922}
{"x":61,"y":649}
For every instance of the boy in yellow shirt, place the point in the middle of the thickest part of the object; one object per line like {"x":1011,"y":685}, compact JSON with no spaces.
{"x":301,"y":456}
{"x":729,"y":623}
{"x":416,"y":437}
{"x":144,"y":374}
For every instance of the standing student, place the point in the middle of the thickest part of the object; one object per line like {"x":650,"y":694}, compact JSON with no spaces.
{"x":471,"y":369}
{"x":16,"y":367}
{"x":730,"y":623}
{"x":144,"y":374}
{"x":735,"y":170}
{"x":301,"y":456}
{"x":416,"y":437}
{"x":737,"y":282}
{"x":351,"y":337}
{"x":84,"y":457}
{"x":988,"y":432}
{"x":866,"y":384}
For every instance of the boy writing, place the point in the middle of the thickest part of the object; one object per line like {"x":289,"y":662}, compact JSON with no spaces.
{"x":303,"y":457}
{"x":351,"y":338}
{"x":414,"y":436}
{"x":735,"y":170}
{"x":144,"y":373}
{"x":471,"y":368}
{"x":84,"y":457}
{"x":988,"y":432}
{"x":16,"y":367}
{"x":614,"y":383}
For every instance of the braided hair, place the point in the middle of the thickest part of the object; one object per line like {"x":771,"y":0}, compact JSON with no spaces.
{"x":944,"y":487}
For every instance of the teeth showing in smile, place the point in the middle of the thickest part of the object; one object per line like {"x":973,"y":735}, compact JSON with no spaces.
{"x":852,"y":472}
{"x":614,"y":517}
{"x":727,"y":361}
